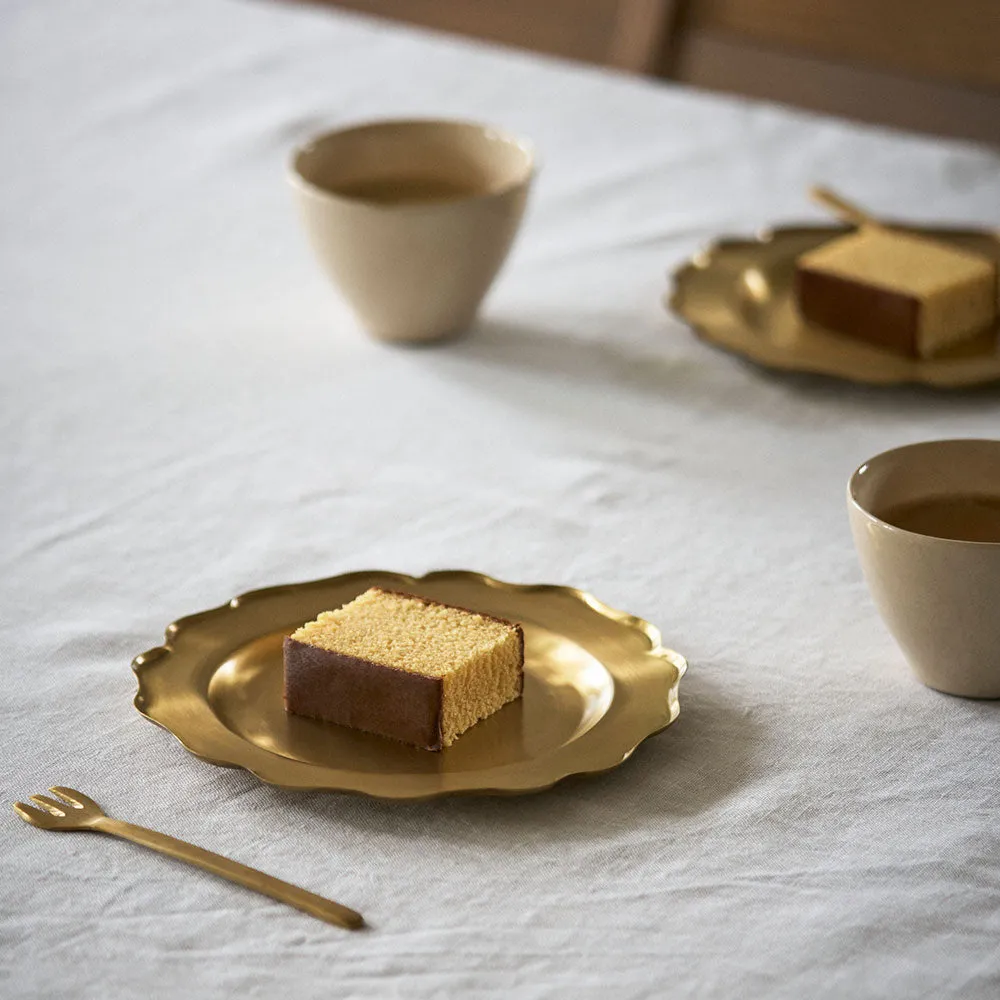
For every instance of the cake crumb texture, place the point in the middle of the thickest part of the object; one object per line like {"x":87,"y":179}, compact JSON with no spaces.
{"x":475,"y":661}
{"x":405,"y":632}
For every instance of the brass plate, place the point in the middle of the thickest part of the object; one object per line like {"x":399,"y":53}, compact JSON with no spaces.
{"x":739,"y":295}
{"x":597,"y":683}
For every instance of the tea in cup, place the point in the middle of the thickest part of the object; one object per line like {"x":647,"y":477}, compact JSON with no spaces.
{"x":412,"y":219}
{"x":926,"y":523}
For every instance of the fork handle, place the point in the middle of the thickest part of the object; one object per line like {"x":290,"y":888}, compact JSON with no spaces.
{"x":845,"y":210}
{"x":284,"y":892}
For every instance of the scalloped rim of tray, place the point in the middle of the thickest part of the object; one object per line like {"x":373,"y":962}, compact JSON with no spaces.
{"x":171,"y":695}
{"x":703,"y":280}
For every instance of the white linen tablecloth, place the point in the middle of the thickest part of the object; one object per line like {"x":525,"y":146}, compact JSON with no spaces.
{"x":188,"y":411}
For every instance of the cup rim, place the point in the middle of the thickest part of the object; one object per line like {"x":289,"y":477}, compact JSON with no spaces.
{"x":297,"y":180}
{"x":856,"y":503}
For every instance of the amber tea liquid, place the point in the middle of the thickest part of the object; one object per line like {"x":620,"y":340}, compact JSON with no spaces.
{"x":961,"y":517}
{"x":408,"y":190}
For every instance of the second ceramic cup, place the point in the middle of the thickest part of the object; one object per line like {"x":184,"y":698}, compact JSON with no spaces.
{"x":412,"y":219}
{"x":936,"y":590}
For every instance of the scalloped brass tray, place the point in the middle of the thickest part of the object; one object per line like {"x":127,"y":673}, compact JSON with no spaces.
{"x":738,"y":294}
{"x":597,"y":683}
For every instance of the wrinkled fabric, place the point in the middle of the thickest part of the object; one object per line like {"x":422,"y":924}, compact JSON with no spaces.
{"x":188,"y":411}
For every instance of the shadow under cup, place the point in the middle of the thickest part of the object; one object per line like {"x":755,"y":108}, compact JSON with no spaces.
{"x":412,"y":219}
{"x":937,"y":595}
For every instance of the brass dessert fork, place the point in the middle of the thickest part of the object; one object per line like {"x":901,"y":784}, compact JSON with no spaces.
{"x":843,"y":209}
{"x":74,"y":811}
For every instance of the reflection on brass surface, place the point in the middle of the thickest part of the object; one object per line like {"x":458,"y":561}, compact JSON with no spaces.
{"x":739,"y":294}
{"x":597,"y":683}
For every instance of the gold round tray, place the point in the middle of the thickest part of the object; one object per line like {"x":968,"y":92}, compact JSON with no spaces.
{"x":597,"y":683}
{"x":738,"y":294}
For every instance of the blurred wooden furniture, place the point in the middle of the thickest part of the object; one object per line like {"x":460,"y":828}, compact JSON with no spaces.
{"x":627,"y":34}
{"x":929,"y":65}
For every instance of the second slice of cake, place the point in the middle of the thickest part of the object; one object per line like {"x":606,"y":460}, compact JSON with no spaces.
{"x":403,"y":667}
{"x":909,"y":294}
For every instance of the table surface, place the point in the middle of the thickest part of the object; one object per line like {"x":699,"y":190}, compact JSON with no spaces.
{"x":188,"y":412}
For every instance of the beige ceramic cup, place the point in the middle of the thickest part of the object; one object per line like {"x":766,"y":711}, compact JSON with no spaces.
{"x":412,"y":219}
{"x":939,"y":597}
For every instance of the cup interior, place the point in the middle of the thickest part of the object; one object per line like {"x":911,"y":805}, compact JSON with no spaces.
{"x":931,"y":470}
{"x":413,"y":161}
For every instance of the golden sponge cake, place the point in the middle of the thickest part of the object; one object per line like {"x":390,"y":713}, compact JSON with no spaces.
{"x":404,"y":667}
{"x":909,"y":294}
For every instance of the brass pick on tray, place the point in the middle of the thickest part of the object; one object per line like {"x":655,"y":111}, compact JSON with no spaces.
{"x":73,"y":810}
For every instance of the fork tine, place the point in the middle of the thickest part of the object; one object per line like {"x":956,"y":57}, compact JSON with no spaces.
{"x":33,"y":816}
{"x":50,"y":805}
{"x":74,"y":798}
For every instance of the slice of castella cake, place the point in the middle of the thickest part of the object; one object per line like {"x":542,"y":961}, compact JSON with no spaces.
{"x":404,"y":667}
